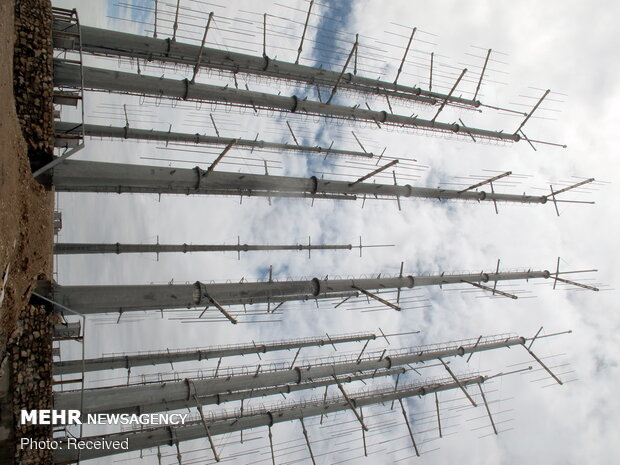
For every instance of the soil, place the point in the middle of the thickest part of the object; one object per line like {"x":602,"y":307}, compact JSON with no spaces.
{"x":26,"y":220}
{"x":26,"y":207}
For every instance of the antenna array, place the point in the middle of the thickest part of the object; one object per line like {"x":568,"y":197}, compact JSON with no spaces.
{"x":341,"y":93}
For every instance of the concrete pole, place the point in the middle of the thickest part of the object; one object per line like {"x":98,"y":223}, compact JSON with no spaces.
{"x":196,"y":430}
{"x":157,"y":87}
{"x":157,"y":358}
{"x":158,"y":395}
{"x":255,"y":393}
{"x":119,"y":44}
{"x":74,"y":129}
{"x":117,"y":248}
{"x":90,"y":176}
{"x":127,"y":298}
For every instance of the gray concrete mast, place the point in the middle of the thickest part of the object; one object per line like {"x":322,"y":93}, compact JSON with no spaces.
{"x":67,"y":248}
{"x":66,"y":74}
{"x":156,"y":396}
{"x":170,"y":435}
{"x":127,"y":298}
{"x":129,"y":361}
{"x":246,"y":395}
{"x":119,"y":44}
{"x":90,"y":176}
{"x":66,"y":132}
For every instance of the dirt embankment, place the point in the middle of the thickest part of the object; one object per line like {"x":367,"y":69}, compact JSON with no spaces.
{"x":26,"y":209}
{"x":30,"y":357}
{"x":26,"y":130}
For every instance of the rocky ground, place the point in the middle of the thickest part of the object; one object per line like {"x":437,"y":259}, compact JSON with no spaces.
{"x":30,"y":349}
{"x":26,"y":208}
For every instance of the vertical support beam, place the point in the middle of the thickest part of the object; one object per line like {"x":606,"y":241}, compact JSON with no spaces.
{"x":179,"y":456}
{"x":155,"y":37}
{"x":438,"y":415}
{"x":402,"y":62}
{"x":214,"y":125}
{"x":456,"y":380}
{"x":534,"y":338}
{"x":443,"y":104}
{"x":364,"y":435}
{"x":496,"y":274}
{"x":496,"y":212}
{"x":359,"y":357}
{"x":221,"y":155}
{"x":529,"y":115}
{"x":292,"y":133}
{"x":297,"y":355}
{"x":430,"y":81}
{"x":528,"y":141}
{"x":473,"y":351}
{"x":573,"y":186}
{"x":223,"y":310}
{"x":359,"y":143}
{"x":343,"y":301}
{"x":273,"y":456}
{"x":265,"y":52}
{"x":202,"y":46}
{"x":547,"y":369}
{"x":402,"y":264}
{"x":344,"y":68}
{"x":482,"y":74}
{"x":557,"y":271}
{"x":486,"y":181}
{"x":330,"y":340}
{"x":241,"y":414}
{"x":385,"y":337}
{"x":395,"y":389}
{"x":493,"y":290}
{"x":415,"y":446}
{"x":377,"y":298}
{"x":357,"y":38}
{"x":350,"y":403}
{"x":324,"y":401}
{"x":467,"y":130}
{"x":303,"y":426}
{"x":175,"y":25}
{"x":301,"y":43}
{"x":397,"y":196}
{"x":217,"y":368}
{"x":372,"y":173}
{"x":487,"y":407}
{"x":204,"y":424}
{"x":574,"y":283}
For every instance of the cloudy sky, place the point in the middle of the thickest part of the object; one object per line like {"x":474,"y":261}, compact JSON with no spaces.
{"x":567,"y":47}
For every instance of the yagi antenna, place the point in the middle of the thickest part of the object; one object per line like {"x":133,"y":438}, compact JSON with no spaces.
{"x":487,"y":181}
{"x":556,"y":278}
{"x":493,"y":289}
{"x":529,"y":115}
{"x":573,"y":186}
